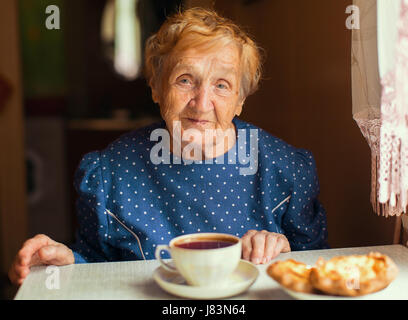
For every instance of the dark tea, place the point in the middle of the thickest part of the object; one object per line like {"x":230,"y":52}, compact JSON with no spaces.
{"x":204,"y":244}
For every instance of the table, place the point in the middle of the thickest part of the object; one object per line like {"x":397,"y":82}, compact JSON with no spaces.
{"x":133,"y":279}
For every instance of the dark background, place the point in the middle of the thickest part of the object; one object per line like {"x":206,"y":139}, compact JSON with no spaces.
{"x":70,"y":94}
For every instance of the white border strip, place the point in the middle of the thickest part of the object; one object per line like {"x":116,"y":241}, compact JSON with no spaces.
{"x":282,"y":202}
{"x":124,"y":226}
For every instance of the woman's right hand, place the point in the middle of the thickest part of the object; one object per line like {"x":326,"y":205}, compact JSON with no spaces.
{"x":39,"y":250}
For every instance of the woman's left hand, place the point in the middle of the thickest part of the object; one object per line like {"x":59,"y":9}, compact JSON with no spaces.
{"x":263,"y":246}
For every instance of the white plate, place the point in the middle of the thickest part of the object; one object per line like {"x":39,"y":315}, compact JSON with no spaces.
{"x":313,"y":296}
{"x":239,"y":281}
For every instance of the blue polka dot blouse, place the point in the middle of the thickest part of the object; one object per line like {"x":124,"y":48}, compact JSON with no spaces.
{"x":127,"y":205}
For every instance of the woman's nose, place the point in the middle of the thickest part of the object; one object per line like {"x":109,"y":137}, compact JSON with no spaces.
{"x":202,"y":99}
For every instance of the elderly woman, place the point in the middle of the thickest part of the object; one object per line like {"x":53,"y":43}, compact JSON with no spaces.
{"x":142,"y":191}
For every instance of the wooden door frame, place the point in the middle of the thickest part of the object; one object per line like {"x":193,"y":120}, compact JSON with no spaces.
{"x":13,"y":198}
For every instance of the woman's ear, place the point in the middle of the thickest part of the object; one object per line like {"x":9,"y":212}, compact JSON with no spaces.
{"x":155,"y":96}
{"x":238,"y":109}
{"x":155,"y":93}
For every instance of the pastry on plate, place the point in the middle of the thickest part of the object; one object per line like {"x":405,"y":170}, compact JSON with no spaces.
{"x":292,"y":274}
{"x":353,"y":275}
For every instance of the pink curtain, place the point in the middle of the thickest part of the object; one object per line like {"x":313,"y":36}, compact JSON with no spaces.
{"x":393,"y":173}
{"x":380,"y":98}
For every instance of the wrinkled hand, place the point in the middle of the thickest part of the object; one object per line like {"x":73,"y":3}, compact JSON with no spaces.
{"x":36,"y":251}
{"x":263,"y":246}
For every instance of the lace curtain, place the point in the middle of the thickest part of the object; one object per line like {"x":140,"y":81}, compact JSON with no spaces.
{"x":380,"y":98}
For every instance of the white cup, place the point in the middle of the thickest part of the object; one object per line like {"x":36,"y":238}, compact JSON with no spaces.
{"x":203,"y":267}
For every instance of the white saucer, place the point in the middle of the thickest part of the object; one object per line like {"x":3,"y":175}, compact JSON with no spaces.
{"x":314,"y":296}
{"x":239,"y":281}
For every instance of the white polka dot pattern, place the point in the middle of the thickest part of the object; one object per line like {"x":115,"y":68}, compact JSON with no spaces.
{"x":159,"y":202}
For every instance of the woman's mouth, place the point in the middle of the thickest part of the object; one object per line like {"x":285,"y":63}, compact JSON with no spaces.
{"x":198,"y":121}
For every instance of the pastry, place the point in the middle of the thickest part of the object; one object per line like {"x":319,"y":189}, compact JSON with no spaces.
{"x":291,"y":274}
{"x":353,"y":275}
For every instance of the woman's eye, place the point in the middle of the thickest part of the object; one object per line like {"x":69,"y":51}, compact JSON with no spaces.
{"x":184,"y":81}
{"x":221,"y":86}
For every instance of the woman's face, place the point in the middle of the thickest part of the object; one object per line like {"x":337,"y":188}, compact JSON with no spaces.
{"x":201,"y":90}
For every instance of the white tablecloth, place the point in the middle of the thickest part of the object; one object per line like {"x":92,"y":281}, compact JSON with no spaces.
{"x":133,"y":279}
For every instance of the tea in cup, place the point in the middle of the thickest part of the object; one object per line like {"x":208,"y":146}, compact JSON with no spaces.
{"x":203,"y":259}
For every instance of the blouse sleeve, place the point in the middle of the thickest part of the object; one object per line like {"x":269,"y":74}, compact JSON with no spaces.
{"x":91,"y":236}
{"x":304,"y":221}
